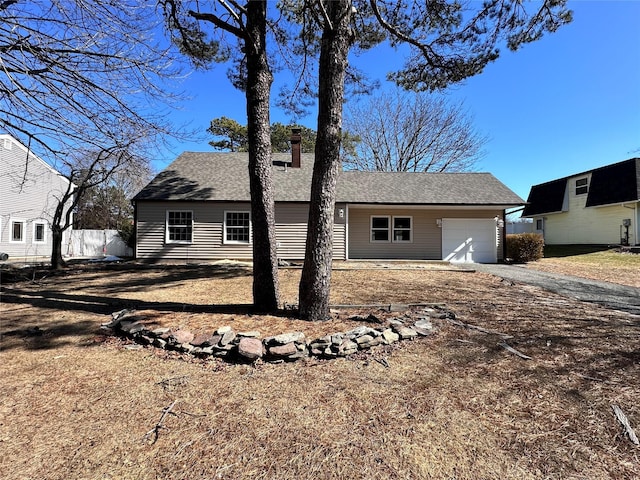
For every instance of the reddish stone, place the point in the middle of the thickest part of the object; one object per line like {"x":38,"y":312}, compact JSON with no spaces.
{"x":283,"y":350}
{"x":250,"y":348}
{"x":182,"y":336}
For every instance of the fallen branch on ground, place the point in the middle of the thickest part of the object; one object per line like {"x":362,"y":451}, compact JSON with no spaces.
{"x":622,"y":418}
{"x":476,"y":327}
{"x":155,"y":431}
{"x":514,"y":351}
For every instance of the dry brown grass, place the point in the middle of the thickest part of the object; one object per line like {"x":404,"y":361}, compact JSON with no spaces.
{"x":76,"y":404}
{"x":608,"y":266}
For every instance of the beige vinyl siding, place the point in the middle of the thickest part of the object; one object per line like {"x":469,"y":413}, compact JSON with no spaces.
{"x":592,"y":225}
{"x":578,"y":224}
{"x":291,"y":231}
{"x":427,"y":235}
{"x":208,"y":218}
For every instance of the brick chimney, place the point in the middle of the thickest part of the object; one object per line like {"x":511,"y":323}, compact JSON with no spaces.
{"x":296,"y":140}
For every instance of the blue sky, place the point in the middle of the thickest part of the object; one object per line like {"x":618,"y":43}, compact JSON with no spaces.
{"x":567,"y":103}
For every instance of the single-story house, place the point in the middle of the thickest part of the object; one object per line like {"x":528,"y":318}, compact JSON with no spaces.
{"x":597,"y":207}
{"x":30,"y":190}
{"x":198,"y":209}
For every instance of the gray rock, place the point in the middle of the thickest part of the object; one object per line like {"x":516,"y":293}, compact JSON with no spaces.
{"x":424,"y":323}
{"x":134,"y":346}
{"x":423,"y":332}
{"x":347,"y":348}
{"x":328,"y":352}
{"x":160,"y":331}
{"x":131,"y":327}
{"x":251,"y":334}
{"x":337,"y":339}
{"x":228,"y":337}
{"x":250,"y":348}
{"x":406,"y":333}
{"x":223,"y":330}
{"x":160,"y":343}
{"x":117,"y":317}
{"x":321,"y":342}
{"x":364,"y":339}
{"x":286,"y":338}
{"x":390,"y":336}
{"x":358,"y":331}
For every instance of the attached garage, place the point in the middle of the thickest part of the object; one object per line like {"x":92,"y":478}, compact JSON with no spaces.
{"x":469,"y":240}
{"x":377,"y":216}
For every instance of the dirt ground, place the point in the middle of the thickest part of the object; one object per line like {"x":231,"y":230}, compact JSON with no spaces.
{"x":76,"y":403}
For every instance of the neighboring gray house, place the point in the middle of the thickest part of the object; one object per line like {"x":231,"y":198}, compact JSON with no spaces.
{"x":29,"y":192}
{"x":198,"y":209}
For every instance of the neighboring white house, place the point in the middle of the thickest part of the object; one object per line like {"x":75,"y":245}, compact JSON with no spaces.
{"x":599,"y":206}
{"x":29,"y":193}
{"x":198,"y":209}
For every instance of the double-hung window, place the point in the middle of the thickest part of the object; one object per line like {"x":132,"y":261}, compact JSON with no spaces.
{"x":17,"y":231}
{"x":39,"y":232}
{"x":391,"y":229}
{"x":380,"y":229}
{"x":179,"y":226}
{"x":237,"y":227}
{"x":582,"y":186}
{"x":402,"y":229}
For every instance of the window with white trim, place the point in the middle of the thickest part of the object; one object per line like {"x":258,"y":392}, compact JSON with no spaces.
{"x":402,"y":229}
{"x":17,"y":231}
{"x":385,"y":228}
{"x":179,"y":226}
{"x":39,"y":231}
{"x":237,"y":227}
{"x":582,"y":186}
{"x":380,"y":228}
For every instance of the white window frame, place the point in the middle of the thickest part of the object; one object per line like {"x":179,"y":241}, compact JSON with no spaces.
{"x":13,"y":221}
{"x":44,"y":231}
{"x":394,"y":229}
{"x":584,"y":186}
{"x":168,"y":226}
{"x":378,"y":229}
{"x":226,"y":228}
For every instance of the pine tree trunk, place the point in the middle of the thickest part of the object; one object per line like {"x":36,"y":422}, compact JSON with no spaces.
{"x":259,"y":79}
{"x":316,"y":274}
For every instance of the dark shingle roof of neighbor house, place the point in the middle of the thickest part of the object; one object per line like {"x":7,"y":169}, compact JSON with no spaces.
{"x":224,"y":177}
{"x":545,"y":198}
{"x":611,"y":184}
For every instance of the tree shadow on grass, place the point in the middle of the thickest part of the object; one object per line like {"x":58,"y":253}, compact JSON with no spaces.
{"x":25,"y":327}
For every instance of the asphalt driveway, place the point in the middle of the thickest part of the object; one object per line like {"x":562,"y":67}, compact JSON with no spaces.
{"x":610,"y":295}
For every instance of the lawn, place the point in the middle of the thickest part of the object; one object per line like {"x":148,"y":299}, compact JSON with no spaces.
{"x":597,"y":263}
{"x":79,"y":404}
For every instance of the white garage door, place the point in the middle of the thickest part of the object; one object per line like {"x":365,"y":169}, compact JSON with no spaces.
{"x":469,"y":240}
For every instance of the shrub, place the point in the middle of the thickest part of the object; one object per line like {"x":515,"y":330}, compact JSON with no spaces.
{"x":127,"y":233}
{"x":525,"y":247}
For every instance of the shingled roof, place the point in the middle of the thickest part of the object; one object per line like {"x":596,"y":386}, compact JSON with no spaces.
{"x":611,"y":184}
{"x":214,"y":176}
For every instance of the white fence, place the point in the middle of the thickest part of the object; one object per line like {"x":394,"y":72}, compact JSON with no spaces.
{"x":519,"y":227}
{"x":96,"y":243}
